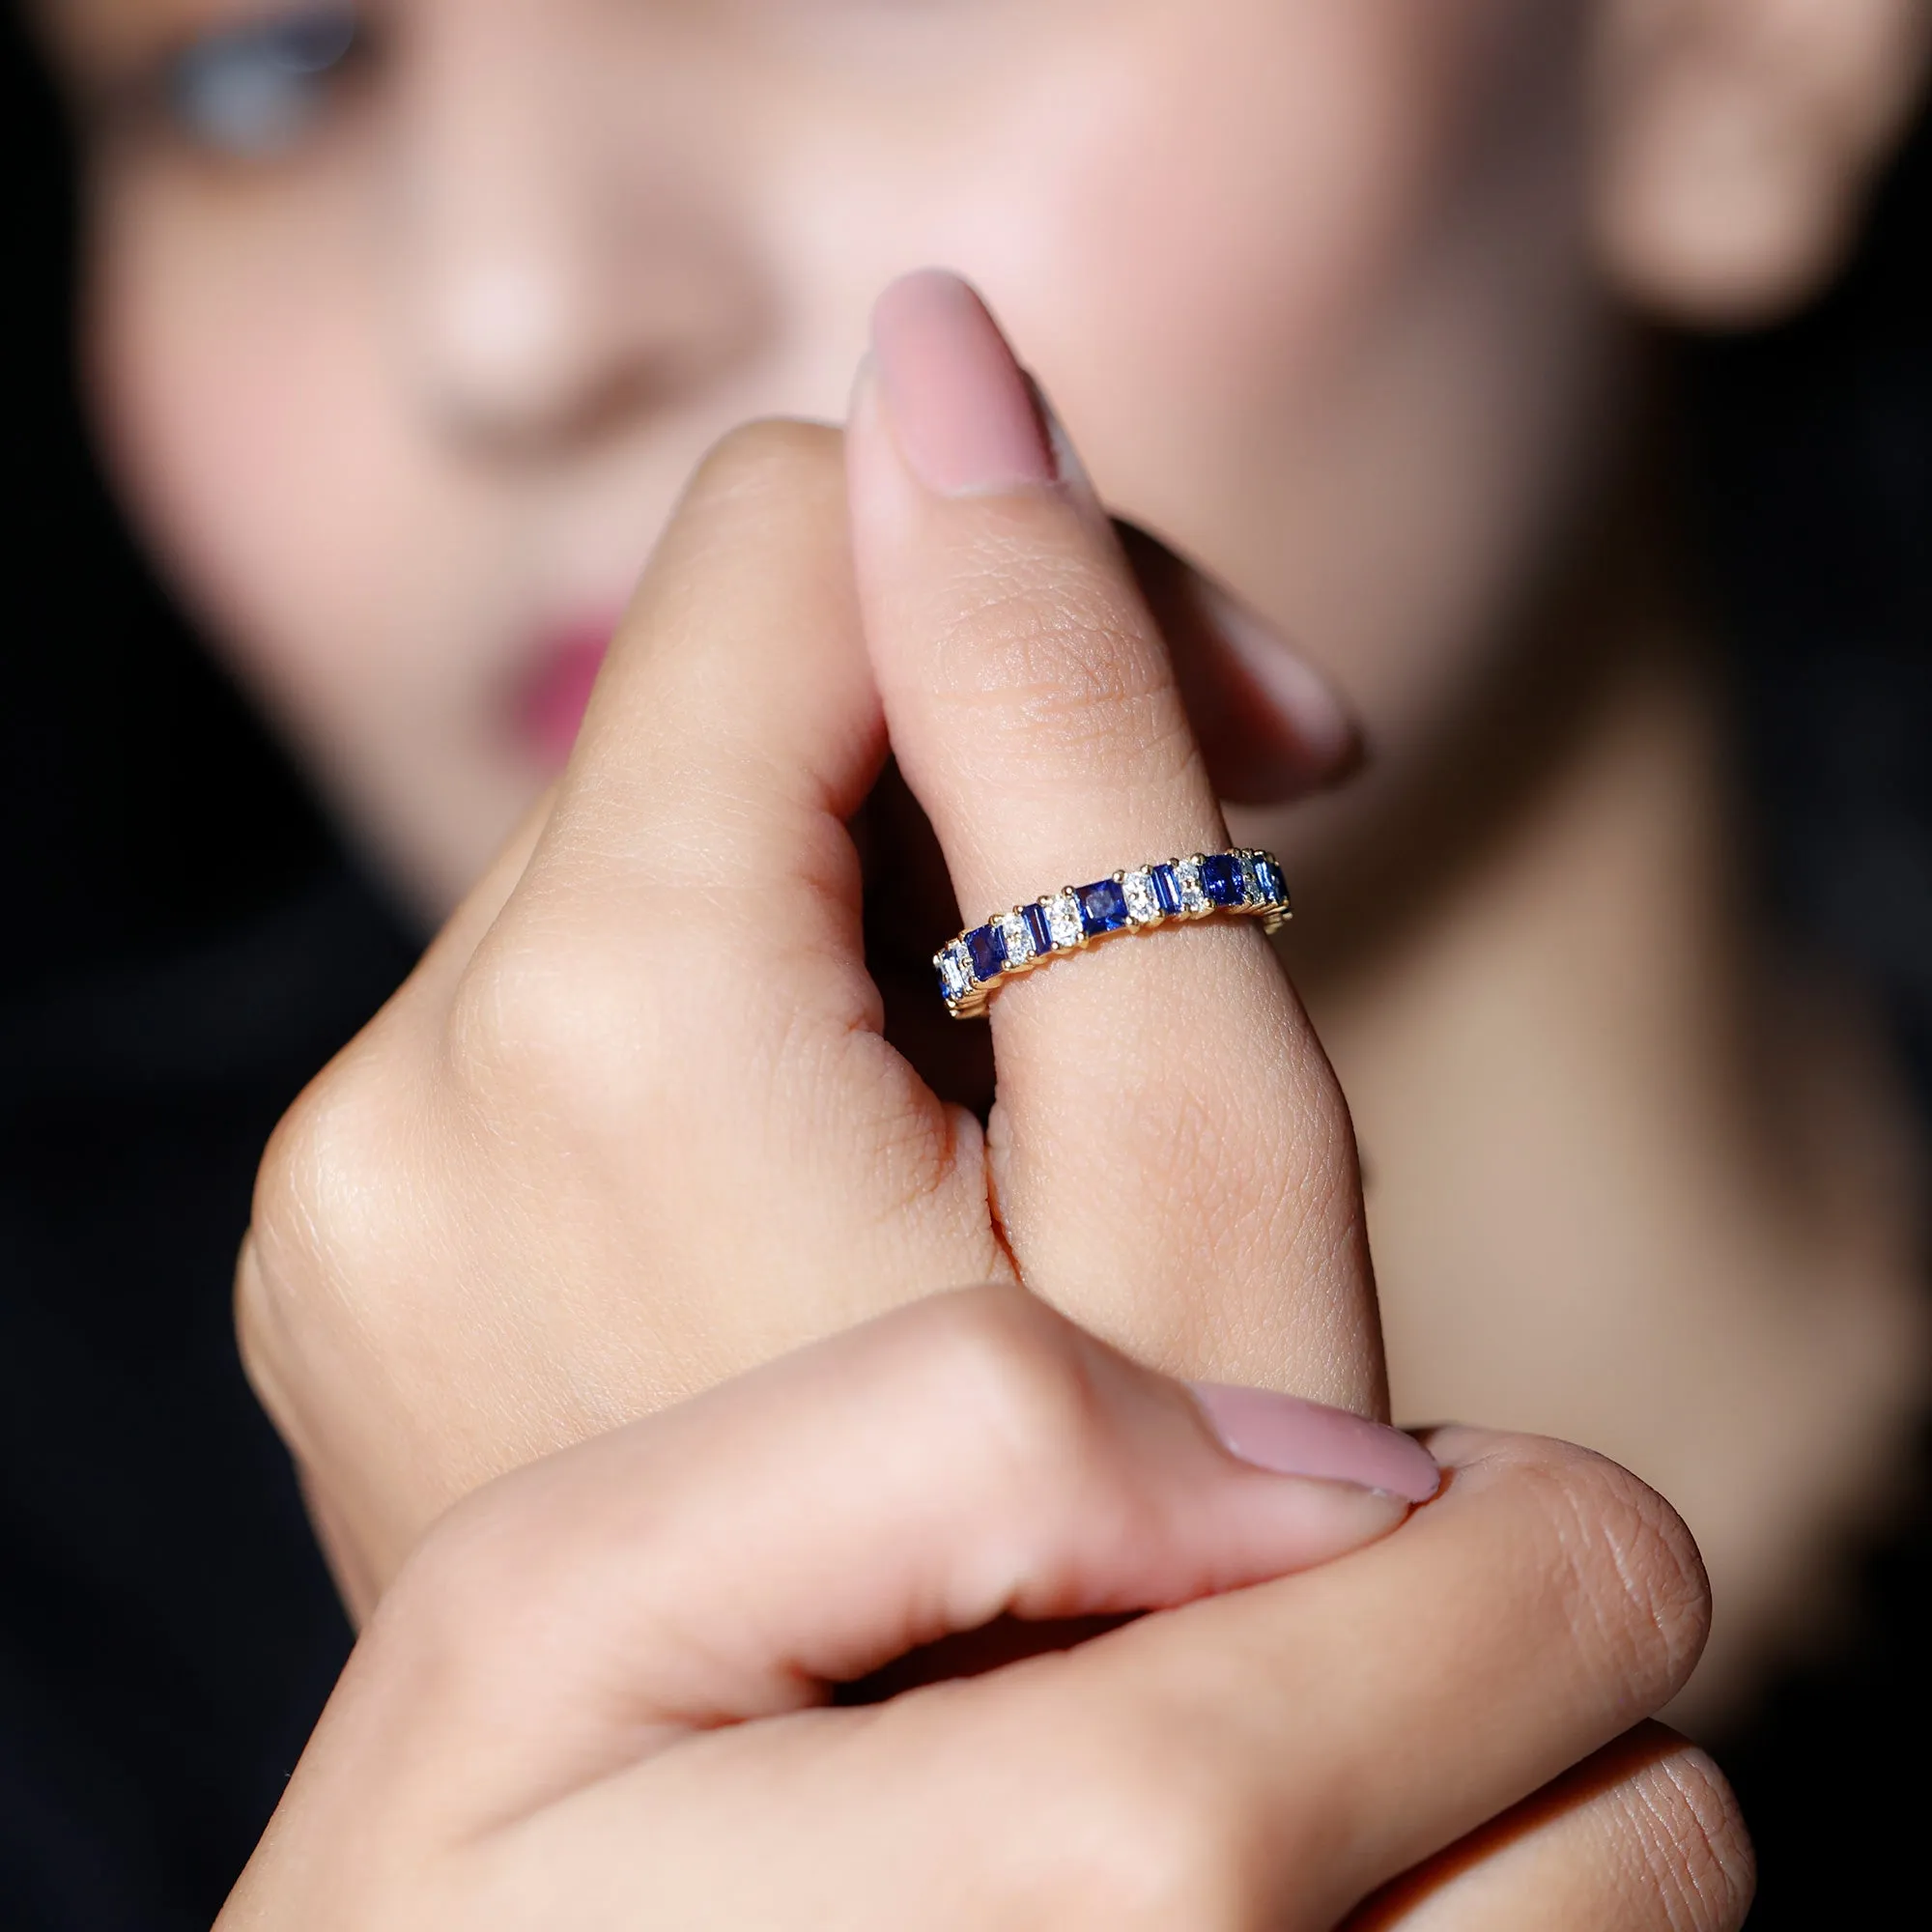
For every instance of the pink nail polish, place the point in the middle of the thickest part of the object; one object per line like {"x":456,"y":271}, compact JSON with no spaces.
{"x":961,"y":410}
{"x":1293,"y":1437}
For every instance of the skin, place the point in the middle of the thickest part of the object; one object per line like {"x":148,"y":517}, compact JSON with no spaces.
{"x":407,"y":400}
{"x":659,"y":1009}
{"x":584,"y":1686}
{"x":1211,"y":1766}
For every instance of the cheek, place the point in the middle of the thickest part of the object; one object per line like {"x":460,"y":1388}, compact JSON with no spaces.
{"x":1313,"y":295}
{"x":1218,"y":206}
{"x":243,"y":406}
{"x":255,"y":431}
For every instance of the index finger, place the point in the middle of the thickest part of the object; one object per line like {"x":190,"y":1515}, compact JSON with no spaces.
{"x":1173,"y":1158}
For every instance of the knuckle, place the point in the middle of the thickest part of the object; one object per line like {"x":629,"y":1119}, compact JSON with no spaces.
{"x":470,"y":1578}
{"x":262,"y":1335}
{"x":292,"y":1180}
{"x":532,"y":1022}
{"x":522,"y":1559}
{"x":560,"y":1037}
{"x":324,"y":1195}
{"x":1012,"y":1377}
{"x":463,"y":1558}
{"x":1693,"y":1852}
{"x":1630,"y":1571}
{"x":1051,"y":660}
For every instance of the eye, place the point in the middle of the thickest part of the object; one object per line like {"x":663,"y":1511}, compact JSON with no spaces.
{"x":256,"y":90}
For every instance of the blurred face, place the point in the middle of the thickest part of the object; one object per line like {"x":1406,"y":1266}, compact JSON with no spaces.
{"x":408,"y":323}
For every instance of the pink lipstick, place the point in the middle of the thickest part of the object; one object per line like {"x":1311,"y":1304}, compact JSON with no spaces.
{"x":550,"y":703}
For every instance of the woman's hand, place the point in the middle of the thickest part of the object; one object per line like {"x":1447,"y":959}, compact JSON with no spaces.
{"x":636,"y":1124}
{"x":602,"y":1692}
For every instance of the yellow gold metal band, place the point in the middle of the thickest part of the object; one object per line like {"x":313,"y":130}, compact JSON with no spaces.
{"x":975,"y":964}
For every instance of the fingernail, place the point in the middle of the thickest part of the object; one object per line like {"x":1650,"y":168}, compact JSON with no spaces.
{"x":1328,"y":733}
{"x":961,"y":410}
{"x":1293,"y":1437}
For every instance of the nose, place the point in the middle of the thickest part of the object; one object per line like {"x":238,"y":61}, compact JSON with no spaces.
{"x":560,"y":253}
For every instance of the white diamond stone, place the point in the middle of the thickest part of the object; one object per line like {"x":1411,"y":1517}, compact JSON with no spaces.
{"x":1193,"y":897}
{"x":1063,"y":919}
{"x":1143,"y":902}
{"x":1019,"y":940}
{"x":955,"y":969}
{"x":1251,"y":887}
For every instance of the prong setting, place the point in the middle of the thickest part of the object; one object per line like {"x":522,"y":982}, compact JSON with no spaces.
{"x":1143,"y":902}
{"x":1063,"y":920}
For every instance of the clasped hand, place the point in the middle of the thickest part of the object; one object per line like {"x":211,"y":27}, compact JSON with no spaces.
{"x":647,"y":1117}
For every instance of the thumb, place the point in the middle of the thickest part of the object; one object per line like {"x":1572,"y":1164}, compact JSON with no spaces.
{"x":969,"y":1457}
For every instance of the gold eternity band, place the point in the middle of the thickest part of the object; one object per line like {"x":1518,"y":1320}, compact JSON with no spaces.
{"x":984,"y":957}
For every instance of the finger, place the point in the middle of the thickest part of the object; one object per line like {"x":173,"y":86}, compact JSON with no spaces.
{"x":1644,"y":1836}
{"x":1344,"y":1725}
{"x":734,"y":728}
{"x":686,"y":936}
{"x":1162,"y":1100}
{"x":1268,"y":1756}
{"x":643,"y":1066}
{"x":266,"y":1324}
{"x":1271,"y":729}
{"x":970,"y":1458}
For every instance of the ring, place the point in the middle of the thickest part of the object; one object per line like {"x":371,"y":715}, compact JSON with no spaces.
{"x":982,"y":958}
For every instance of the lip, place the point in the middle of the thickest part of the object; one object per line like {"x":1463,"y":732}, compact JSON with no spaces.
{"x":550,"y":701}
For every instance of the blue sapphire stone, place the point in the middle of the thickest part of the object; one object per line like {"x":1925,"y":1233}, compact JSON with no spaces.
{"x":1221,"y":879}
{"x":1166,"y":888}
{"x":1036,"y":924}
{"x":988,"y":947}
{"x":1268,"y":875}
{"x":1103,"y":906}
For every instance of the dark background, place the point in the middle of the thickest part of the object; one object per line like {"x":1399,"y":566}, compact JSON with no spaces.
{"x":182,"y":943}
